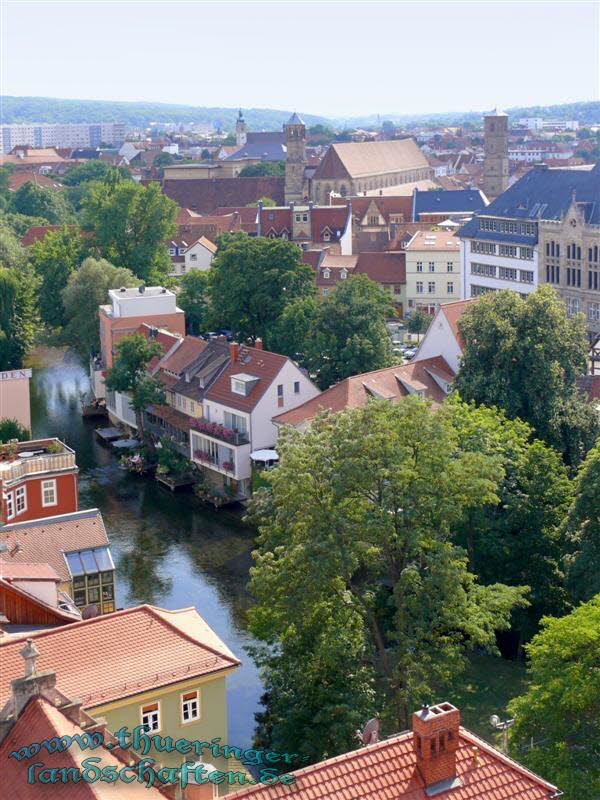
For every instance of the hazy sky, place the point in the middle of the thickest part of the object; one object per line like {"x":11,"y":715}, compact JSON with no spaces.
{"x":332,"y":58}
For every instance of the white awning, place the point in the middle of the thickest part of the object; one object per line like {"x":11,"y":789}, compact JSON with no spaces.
{"x":264,"y":455}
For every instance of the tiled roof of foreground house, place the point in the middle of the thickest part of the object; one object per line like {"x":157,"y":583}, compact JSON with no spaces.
{"x":45,"y":541}
{"x":138,"y":649}
{"x":464,"y":768}
{"x":425,"y":378}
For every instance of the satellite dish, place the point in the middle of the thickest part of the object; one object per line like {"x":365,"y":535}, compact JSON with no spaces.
{"x":494,"y":720}
{"x":370,"y":733}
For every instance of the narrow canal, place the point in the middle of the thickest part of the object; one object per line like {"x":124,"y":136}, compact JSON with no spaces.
{"x":169,"y":550}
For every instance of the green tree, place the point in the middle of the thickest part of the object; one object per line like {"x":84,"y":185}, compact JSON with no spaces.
{"x":294,"y":327}
{"x":129,"y":375}
{"x":419,"y":322}
{"x":560,"y":712}
{"x":92,"y":170}
{"x":192,"y":299}
{"x":582,"y":527}
{"x":12,"y":429}
{"x":131,"y":224}
{"x":359,"y":517}
{"x":265,"y":201}
{"x":37,"y":201}
{"x":86,"y":289}
{"x":349,"y":335}
{"x":12,"y":254}
{"x":264,"y":168}
{"x":517,"y":538}
{"x":163,"y":160}
{"x":19,"y":224}
{"x":524,"y":356}
{"x":18,"y":316}
{"x":55,"y":258}
{"x":252,"y":280}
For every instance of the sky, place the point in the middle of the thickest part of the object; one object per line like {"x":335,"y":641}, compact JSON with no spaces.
{"x":337,"y":58}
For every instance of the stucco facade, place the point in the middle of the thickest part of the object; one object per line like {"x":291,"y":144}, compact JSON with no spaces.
{"x":14,"y":396}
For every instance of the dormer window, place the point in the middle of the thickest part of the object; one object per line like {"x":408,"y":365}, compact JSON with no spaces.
{"x":239,"y":387}
{"x":344,"y":274}
{"x":172,"y":251}
{"x":242,"y":383}
{"x":326,"y":236}
{"x":326,"y":273}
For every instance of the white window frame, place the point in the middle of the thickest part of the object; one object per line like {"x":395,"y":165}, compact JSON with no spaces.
{"x":238,"y":387}
{"x":20,"y":494}
{"x":172,"y":251}
{"x":10,"y":505}
{"x":49,"y":485}
{"x":188,"y":705}
{"x":155,"y":711}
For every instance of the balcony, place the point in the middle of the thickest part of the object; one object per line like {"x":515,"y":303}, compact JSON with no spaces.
{"x":36,"y":456}
{"x":230,"y":461}
{"x":216,"y":431}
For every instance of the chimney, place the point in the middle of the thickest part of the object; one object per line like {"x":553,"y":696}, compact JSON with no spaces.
{"x":435,"y":741}
{"x":34,"y":683}
{"x":234,"y":350}
{"x":258,"y":343}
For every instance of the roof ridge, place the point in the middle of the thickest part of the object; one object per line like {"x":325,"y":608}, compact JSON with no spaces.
{"x":155,"y":611}
{"x":84,"y":514}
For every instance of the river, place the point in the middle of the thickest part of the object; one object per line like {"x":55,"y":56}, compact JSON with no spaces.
{"x":169,"y":549}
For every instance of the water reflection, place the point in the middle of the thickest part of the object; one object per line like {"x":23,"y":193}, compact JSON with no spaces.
{"x":169,"y":549}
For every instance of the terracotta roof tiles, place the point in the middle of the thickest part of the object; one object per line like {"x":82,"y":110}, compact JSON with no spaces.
{"x":252,"y":361}
{"x":351,"y":159}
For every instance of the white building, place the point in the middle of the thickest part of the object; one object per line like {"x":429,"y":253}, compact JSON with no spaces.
{"x":539,"y":124}
{"x":69,"y":134}
{"x":191,"y":253}
{"x":443,"y":337}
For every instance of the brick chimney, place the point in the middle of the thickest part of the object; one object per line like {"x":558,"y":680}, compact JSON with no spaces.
{"x":435,"y":741}
{"x":258,"y":343}
{"x":234,"y":350}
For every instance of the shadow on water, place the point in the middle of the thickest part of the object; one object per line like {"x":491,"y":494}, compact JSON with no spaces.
{"x":169,"y":549}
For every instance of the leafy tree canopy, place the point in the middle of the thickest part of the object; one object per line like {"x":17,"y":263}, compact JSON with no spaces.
{"x":192,"y":299}
{"x":92,"y":170}
{"x":37,"y":201}
{"x":12,"y":429}
{"x":265,"y":168}
{"x":18,"y":316}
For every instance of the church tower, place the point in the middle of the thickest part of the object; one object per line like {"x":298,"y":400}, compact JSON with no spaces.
{"x":241,"y":129}
{"x":495,"y":165}
{"x":295,"y":162}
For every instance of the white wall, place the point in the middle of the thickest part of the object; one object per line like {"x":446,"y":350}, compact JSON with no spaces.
{"x":440,"y":341}
{"x":142,"y":305}
{"x":497,"y":261}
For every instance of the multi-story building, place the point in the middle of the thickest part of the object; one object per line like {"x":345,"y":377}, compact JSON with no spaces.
{"x":539,"y":124}
{"x":14,"y":396}
{"x":569,"y":259}
{"x":495,"y":165}
{"x":67,"y":134}
{"x":438,"y":206}
{"x":310,"y":225}
{"x":499,"y":247}
{"x":188,"y":253}
{"x":432,"y":270}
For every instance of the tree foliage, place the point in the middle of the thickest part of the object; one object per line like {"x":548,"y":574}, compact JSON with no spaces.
{"x":359,"y":519}
{"x":524,"y":356}
{"x":12,"y":429}
{"x":131,"y":224}
{"x":54,"y":258}
{"x":37,"y":201}
{"x":192,"y":299}
{"x":251,"y":282}
{"x":18,"y":316}
{"x":276,"y":168}
{"x":294,"y":327}
{"x":419,"y":322}
{"x":92,"y":170}
{"x":560,"y":711}
{"x":12,"y":254}
{"x":582,"y":526}
{"x":86,"y":289}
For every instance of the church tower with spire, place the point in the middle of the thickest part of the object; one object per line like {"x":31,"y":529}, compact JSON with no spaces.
{"x":295,"y":162}
{"x":241,"y":130}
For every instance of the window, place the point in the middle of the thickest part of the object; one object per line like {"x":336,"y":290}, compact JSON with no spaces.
{"x":172,"y":251}
{"x":239,"y":387}
{"x":298,"y":217}
{"x":489,"y":270}
{"x":10,"y":505}
{"x":594,"y":312}
{"x":397,"y":288}
{"x":280,"y":400}
{"x":450,"y":287}
{"x":190,"y":706}
{"x":594,"y":280}
{"x":526,"y":252}
{"x":431,"y":287}
{"x":432,"y":266}
{"x":21,"y":499}
{"x":193,"y":257}
{"x":508,"y":250}
{"x":573,"y":306}
{"x":419,"y":287}
{"x":526,"y":276}
{"x":450,"y":266}
{"x":151,"y":717}
{"x":325,"y":291}
{"x":49,"y":493}
{"x":234,"y":422}
{"x":344,"y":274}
{"x":507,"y":273}
{"x":304,"y":217}
{"x":419,"y":266}
{"x":483,"y":247}
{"x":326,"y":273}
{"x":296,"y":387}
{"x":326,"y":236}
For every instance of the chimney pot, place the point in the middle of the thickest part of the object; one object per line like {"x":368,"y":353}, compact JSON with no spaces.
{"x":258,"y":343}
{"x":435,"y":741}
{"x":234,"y":350}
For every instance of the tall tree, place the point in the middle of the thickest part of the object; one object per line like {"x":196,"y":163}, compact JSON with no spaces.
{"x":131,"y":225}
{"x":294,"y":327}
{"x":349,"y":335}
{"x":129,"y":375}
{"x":37,"y":201}
{"x":582,"y":527}
{"x":92,"y":170}
{"x":55,"y":258}
{"x":359,"y":517}
{"x":192,"y":299}
{"x":252,"y":280}
{"x":12,"y":255}
{"x":18,"y":316}
{"x":560,"y":712}
{"x":524,"y":356}
{"x":86,"y":289}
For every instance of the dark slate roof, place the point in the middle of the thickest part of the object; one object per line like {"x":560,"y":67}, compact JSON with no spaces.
{"x":447,"y":202}
{"x":268,"y":146}
{"x":543,"y":193}
{"x":295,"y":120}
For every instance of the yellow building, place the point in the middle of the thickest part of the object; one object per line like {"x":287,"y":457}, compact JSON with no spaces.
{"x":432,"y":270}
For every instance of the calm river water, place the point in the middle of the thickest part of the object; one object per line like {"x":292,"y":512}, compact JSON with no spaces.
{"x":169,"y":550}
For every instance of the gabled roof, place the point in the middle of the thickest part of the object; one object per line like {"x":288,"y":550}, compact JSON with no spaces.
{"x":265,"y":146}
{"x":204,"y":194}
{"x":138,"y":648}
{"x":33,"y":610}
{"x":357,"y":159}
{"x":261,"y":364}
{"x":180,"y":357}
{"x":47,"y":540}
{"x":447,"y":202}
{"x":388,"y":267}
{"x":389,"y":382}
{"x":388,"y":770}
{"x":18,"y":178}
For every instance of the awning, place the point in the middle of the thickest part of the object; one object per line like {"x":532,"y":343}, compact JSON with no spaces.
{"x":264,"y":455}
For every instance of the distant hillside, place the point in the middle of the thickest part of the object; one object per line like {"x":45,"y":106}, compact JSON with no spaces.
{"x":584,"y":112}
{"x":50,"y":109}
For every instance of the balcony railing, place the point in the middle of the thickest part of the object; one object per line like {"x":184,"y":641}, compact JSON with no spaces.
{"x":220,"y":432}
{"x":214,"y":461}
{"x":28,"y":462}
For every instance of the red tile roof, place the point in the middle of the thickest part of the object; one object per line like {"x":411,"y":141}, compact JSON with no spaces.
{"x":387,"y":770}
{"x":453,"y":312}
{"x":204,"y":194}
{"x":389,"y":382}
{"x":188,"y":350}
{"x":46,"y":540}
{"x":37,"y":232}
{"x":31,"y":571}
{"x":139,"y":649}
{"x":251,"y":361}
{"x":17,"y":179}
{"x":388,"y":267}
{"x":352,"y":159}
{"x":387,"y":205}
